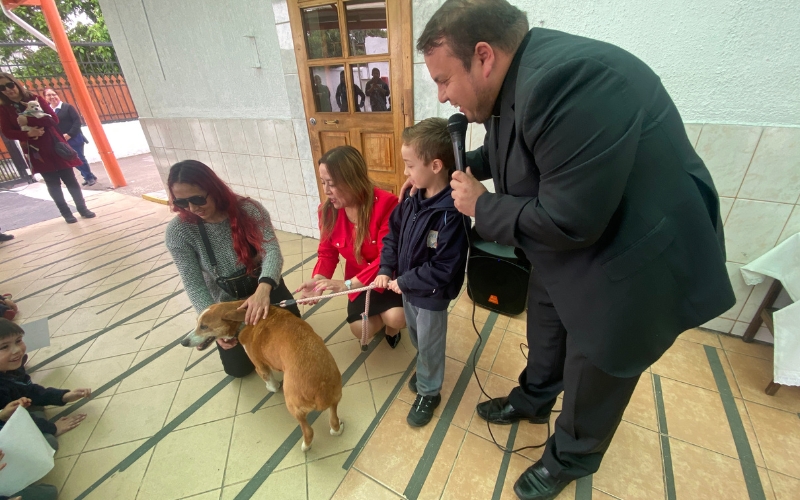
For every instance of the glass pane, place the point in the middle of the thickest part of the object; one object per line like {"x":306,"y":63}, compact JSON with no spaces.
{"x":321,"y":25}
{"x":372,"y":81}
{"x":323,"y":79}
{"x":366,"y":27}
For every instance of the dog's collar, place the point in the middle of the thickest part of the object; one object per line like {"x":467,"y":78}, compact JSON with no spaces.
{"x":241,"y":327}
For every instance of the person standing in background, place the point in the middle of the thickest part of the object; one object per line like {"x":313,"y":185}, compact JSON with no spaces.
{"x":69,"y":124}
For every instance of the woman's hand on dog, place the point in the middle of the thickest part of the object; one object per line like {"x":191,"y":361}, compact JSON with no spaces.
{"x":257,"y":305}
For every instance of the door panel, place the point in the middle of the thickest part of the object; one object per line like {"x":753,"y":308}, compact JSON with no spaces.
{"x":355,"y":87}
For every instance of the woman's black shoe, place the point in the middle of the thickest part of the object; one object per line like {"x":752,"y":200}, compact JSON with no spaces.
{"x":393,"y":341}
{"x":70,"y":219}
{"x":87,"y":214}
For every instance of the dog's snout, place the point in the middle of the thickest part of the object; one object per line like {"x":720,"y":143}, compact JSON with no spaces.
{"x":185,"y":342}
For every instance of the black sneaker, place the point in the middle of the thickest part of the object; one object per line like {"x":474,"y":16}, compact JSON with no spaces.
{"x":6,"y":237}
{"x":393,"y":341}
{"x":70,"y":218}
{"x":90,"y":183}
{"x":87,"y":214}
{"x":422,"y":411}
{"x":412,"y":383}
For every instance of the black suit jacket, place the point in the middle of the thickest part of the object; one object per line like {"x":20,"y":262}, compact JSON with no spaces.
{"x":69,"y":121}
{"x":598,"y":183}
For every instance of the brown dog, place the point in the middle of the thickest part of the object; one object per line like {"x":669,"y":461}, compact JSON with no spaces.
{"x":286,"y":343}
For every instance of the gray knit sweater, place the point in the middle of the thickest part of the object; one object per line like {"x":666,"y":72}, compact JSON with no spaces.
{"x":189,"y":254}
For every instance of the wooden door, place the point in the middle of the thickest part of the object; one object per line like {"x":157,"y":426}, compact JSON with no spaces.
{"x":354,"y":58}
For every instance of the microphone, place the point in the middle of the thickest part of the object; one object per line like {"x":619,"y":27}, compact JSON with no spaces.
{"x":457,"y":126}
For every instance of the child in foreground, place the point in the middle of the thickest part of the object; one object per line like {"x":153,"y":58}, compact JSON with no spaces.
{"x":424,"y":257}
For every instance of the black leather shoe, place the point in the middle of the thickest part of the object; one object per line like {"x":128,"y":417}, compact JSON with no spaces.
{"x":70,"y":218}
{"x":500,"y":411}
{"x":87,"y":214}
{"x":393,"y":341}
{"x":536,"y":483}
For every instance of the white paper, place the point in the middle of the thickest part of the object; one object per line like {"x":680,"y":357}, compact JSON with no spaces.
{"x":28,"y":456}
{"x":37,"y":334}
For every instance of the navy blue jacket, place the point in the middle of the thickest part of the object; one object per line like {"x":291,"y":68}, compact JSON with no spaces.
{"x":427,"y":249}
{"x":17,"y":384}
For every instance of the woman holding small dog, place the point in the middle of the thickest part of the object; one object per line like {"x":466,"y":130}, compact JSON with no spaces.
{"x":39,"y":138}
{"x":353,"y":221}
{"x":225,"y":249}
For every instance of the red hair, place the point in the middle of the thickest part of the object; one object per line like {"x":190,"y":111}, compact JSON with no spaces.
{"x":246,"y":231}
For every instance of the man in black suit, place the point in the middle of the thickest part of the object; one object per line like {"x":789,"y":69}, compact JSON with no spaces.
{"x":69,"y":124}
{"x":598,"y":183}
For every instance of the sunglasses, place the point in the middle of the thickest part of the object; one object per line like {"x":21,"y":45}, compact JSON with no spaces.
{"x":8,"y":86}
{"x":198,"y":201}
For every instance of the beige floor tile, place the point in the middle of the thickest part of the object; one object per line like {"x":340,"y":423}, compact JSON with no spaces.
{"x":221,"y":405}
{"x":144,"y":308}
{"x":156,"y":286}
{"x":383,"y":387}
{"x":51,"y":378}
{"x":510,"y":361}
{"x":291,"y":247}
{"x":785,"y":487}
{"x":57,"y":345}
{"x":642,"y":408}
{"x":601,"y":495}
{"x":697,"y":416}
{"x":736,"y":344}
{"x":687,"y":362}
{"x":753,"y":375}
{"x":120,"y":340}
{"x":631,"y":468}
{"x":357,"y":486}
{"x":324,"y":323}
{"x":386,"y":458}
{"x":107,"y":295}
{"x":60,"y":472}
{"x":256,"y":436}
{"x":289,"y":484}
{"x":92,"y":465}
{"x":779,"y":436}
{"x":325,"y":476}
{"x":95,"y":374}
{"x":188,"y":461}
{"x":700,"y":473}
{"x":387,"y":361}
{"x":168,"y":367}
{"x":209,"y":495}
{"x":356,"y":410}
{"x":175,"y":305}
{"x":489,"y":354}
{"x":344,"y":354}
{"x":72,"y":442}
{"x":87,"y":319}
{"x":461,"y":337}
{"x":701,"y":337}
{"x":516,"y":466}
{"x":766,"y":483}
{"x":755,"y":447}
{"x":133,"y":415}
{"x":442,"y":464}
{"x":58,"y":302}
{"x":472,"y":395}
{"x":163,"y":332}
{"x":475,"y":469}
{"x":202,"y":362}
{"x":463,"y":308}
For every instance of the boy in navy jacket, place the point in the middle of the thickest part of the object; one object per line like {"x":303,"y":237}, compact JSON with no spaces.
{"x":424,"y":257}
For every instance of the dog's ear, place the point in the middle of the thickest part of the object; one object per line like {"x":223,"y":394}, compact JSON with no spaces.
{"x":234,"y":314}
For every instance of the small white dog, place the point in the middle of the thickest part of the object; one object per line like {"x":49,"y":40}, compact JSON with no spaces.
{"x":34,"y":110}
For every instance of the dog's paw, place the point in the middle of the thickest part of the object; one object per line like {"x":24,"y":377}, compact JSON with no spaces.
{"x":304,"y":446}
{"x":341,"y":429}
{"x":274,"y":385}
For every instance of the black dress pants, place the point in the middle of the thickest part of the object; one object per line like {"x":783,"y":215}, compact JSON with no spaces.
{"x":593,"y":403}
{"x":53,"y":181}
{"x":234,"y":360}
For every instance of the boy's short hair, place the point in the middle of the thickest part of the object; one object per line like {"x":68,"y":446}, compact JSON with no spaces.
{"x":431,"y":141}
{"x":9,"y":329}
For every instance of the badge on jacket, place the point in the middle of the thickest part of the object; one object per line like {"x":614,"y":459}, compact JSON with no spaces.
{"x":433,"y":237}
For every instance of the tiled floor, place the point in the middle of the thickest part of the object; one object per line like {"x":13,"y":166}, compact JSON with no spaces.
{"x":165,"y":422}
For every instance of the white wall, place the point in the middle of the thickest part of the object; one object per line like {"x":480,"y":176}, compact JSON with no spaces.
{"x":722,"y":61}
{"x":126,"y":139}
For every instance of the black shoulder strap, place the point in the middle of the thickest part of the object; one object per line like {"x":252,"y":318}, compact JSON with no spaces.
{"x":206,"y":243}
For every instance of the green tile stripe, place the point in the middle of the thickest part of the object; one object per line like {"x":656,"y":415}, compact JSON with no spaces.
{"x":296,"y":266}
{"x":103,"y":331}
{"x":201,"y":358}
{"x":119,"y":378}
{"x":666,"y":453}
{"x":137,"y":293}
{"x":378,"y":416}
{"x":501,"y":474}
{"x":420,"y":474}
{"x":751,"y":478}
{"x":161,"y":434}
{"x":277,"y":457}
{"x":583,"y":488}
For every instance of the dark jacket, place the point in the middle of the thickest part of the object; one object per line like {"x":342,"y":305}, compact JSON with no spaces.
{"x":17,"y":384}
{"x":426,"y":248}
{"x":598,"y":183}
{"x":69,"y":120}
{"x":41,"y":153}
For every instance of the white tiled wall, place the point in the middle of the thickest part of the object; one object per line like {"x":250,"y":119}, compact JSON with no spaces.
{"x":757,"y":173}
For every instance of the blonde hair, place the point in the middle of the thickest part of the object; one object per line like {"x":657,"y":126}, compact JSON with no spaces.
{"x":348,"y":172}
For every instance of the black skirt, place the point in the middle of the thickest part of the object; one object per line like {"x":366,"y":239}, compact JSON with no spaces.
{"x":378,"y":302}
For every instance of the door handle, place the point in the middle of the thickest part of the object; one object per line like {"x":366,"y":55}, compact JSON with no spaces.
{"x":331,"y":122}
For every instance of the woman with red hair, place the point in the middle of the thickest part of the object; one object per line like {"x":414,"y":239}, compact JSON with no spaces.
{"x":242,"y":241}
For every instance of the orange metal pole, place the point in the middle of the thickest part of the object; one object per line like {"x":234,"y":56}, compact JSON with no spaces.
{"x":81,"y":92}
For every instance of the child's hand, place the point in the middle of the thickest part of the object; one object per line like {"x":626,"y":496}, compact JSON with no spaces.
{"x":393,"y":286}
{"x":66,"y":424}
{"x":11,"y":407}
{"x":382,"y":281}
{"x":76,"y":394}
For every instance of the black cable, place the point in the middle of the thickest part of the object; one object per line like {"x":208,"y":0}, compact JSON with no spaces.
{"x":475,"y":361}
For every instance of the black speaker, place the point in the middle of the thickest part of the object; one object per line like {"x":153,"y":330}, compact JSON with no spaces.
{"x":498,"y":276}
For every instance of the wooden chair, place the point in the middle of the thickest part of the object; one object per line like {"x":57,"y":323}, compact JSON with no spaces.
{"x":764,"y":315}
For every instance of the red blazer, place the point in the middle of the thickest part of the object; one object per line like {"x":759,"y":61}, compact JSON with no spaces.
{"x":47,"y":160}
{"x":340,"y":242}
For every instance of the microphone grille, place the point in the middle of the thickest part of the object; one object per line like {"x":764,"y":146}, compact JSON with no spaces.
{"x":457,"y":123}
